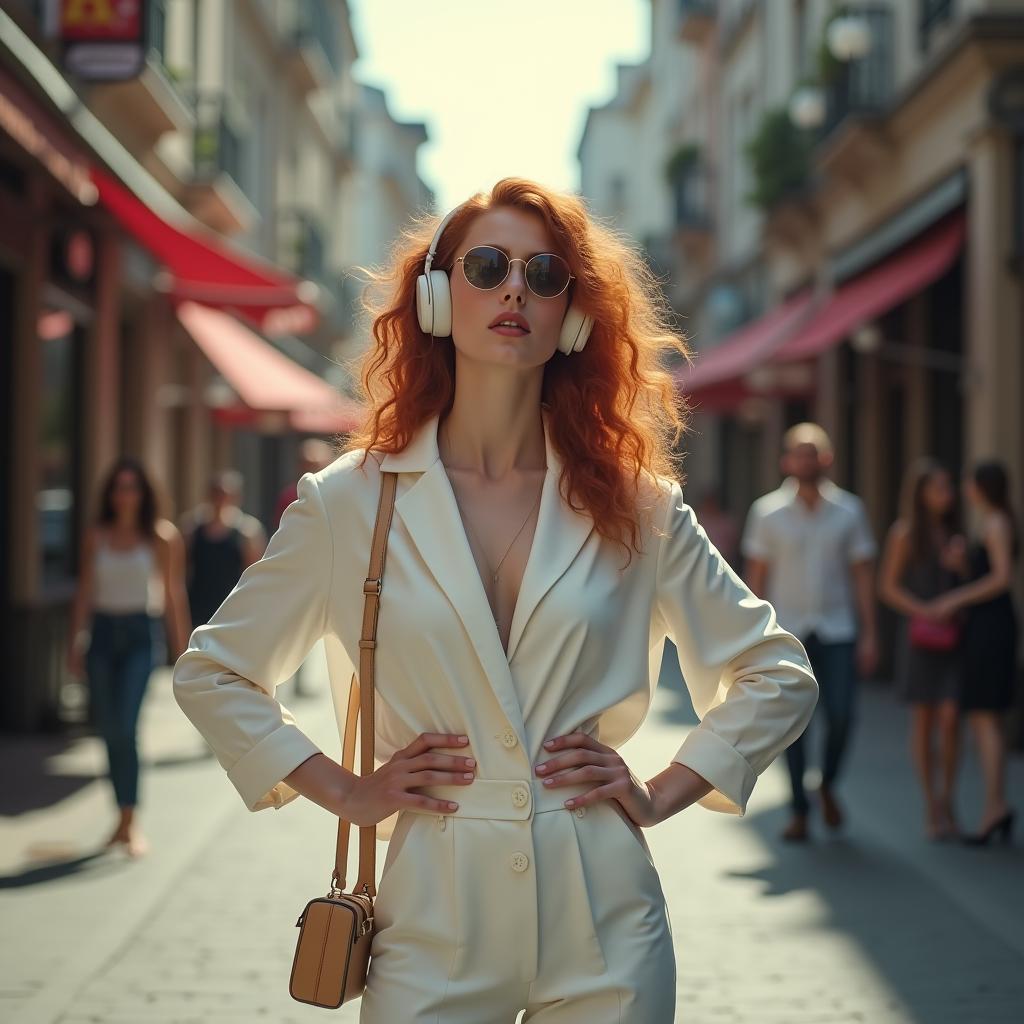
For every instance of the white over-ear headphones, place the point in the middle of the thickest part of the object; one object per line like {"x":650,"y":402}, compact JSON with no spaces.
{"x":434,"y":304}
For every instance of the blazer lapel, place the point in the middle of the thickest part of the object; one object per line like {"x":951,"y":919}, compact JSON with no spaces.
{"x":430,"y":514}
{"x":558,"y":538}
{"x":429,"y":511}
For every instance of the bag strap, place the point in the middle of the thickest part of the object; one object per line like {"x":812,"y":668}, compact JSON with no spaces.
{"x":360,"y":698}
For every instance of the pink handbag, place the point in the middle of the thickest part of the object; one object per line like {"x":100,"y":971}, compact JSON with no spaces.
{"x":929,"y":635}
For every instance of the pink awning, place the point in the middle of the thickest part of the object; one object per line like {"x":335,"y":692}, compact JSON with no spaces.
{"x":877,"y":291}
{"x":203,"y":267}
{"x":264,"y":379}
{"x":716,"y":380}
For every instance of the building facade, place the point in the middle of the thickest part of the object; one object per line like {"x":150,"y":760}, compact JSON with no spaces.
{"x":174,"y":249}
{"x":845,"y":231}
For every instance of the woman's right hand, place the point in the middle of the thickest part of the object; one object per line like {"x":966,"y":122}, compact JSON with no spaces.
{"x":369,"y":799}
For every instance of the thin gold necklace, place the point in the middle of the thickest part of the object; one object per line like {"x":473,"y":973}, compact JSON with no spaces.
{"x":497,"y":569}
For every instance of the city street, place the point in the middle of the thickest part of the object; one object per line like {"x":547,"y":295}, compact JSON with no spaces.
{"x":877,"y":926}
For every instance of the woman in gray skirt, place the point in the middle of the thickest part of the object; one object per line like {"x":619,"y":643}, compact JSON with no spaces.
{"x":924,"y":558}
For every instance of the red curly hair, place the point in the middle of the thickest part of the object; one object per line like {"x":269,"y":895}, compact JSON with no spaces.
{"x":614,"y":415}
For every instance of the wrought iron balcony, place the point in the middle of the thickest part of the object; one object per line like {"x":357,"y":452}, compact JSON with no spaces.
{"x":300,"y":243}
{"x":691,"y":204}
{"x":217,"y":146}
{"x":865,"y":85}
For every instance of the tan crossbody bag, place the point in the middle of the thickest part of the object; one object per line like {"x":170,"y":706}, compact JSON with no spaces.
{"x":336,"y":930}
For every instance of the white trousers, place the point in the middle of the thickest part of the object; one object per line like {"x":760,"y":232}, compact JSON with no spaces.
{"x":560,"y":913}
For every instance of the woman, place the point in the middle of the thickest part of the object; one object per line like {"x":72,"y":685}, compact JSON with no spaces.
{"x":923,"y":556}
{"x":990,"y":638}
{"x":539,"y":554}
{"x":132,"y":576}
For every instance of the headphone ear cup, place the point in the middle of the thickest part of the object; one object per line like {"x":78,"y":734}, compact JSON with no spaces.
{"x":576,"y":328}
{"x":434,"y":304}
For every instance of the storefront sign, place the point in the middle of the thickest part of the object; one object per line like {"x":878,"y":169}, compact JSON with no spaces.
{"x":104,"y":40}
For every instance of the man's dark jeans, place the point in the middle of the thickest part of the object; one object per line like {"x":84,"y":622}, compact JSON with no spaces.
{"x":835,"y":667}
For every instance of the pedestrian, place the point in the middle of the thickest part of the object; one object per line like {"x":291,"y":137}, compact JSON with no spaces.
{"x":221,"y":542}
{"x":129,"y":603}
{"x":809,"y":549}
{"x":539,"y":554}
{"x":924,"y":558}
{"x":314,"y":455}
{"x":990,"y":637}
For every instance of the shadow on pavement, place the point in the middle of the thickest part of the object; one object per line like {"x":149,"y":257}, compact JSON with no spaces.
{"x":97,"y":863}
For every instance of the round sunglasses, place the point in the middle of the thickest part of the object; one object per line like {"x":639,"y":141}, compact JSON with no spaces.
{"x":486,"y":267}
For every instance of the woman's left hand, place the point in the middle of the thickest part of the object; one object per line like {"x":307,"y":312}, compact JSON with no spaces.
{"x":579,"y":758}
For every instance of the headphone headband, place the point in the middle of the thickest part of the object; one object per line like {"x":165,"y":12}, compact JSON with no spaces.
{"x":437,"y":238}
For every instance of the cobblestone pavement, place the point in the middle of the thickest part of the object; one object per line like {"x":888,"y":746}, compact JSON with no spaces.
{"x":873,"y":925}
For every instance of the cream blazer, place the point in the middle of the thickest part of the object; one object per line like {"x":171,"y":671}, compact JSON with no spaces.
{"x":584,"y":652}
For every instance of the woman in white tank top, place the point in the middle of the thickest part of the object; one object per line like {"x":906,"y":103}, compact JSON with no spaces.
{"x":130,"y":600}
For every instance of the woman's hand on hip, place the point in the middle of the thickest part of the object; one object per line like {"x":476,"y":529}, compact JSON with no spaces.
{"x":368,"y":799}
{"x":579,"y":759}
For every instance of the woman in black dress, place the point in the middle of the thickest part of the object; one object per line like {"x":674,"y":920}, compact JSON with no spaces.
{"x":923,"y":559}
{"x":990,"y":637}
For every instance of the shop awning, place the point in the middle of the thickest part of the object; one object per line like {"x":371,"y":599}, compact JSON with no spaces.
{"x":265,"y":380}
{"x":717,"y":378}
{"x":201,"y":267}
{"x":877,"y":291}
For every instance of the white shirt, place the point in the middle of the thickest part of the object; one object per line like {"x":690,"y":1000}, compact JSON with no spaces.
{"x":809,"y":552}
{"x":127,"y":580}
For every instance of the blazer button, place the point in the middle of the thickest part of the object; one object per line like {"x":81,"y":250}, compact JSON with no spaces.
{"x":520,"y":796}
{"x":509,"y":738}
{"x":520,"y":862}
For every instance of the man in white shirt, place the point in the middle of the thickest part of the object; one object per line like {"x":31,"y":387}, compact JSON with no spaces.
{"x":810,"y":552}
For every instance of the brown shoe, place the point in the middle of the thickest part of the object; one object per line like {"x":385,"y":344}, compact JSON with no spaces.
{"x":830,"y":810}
{"x":796,"y":831}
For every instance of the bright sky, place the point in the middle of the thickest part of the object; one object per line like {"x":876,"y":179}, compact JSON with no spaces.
{"x":503,"y":87}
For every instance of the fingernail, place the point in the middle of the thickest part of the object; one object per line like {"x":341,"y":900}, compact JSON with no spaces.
{"x":569,"y":803}
{"x":547,"y":782}
{"x":463,"y":739}
{"x":470,"y":763}
{"x":549,"y":743}
{"x":452,"y":806}
{"x":467,"y":775}
{"x":541,"y":769}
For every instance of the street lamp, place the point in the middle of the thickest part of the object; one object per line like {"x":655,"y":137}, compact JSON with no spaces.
{"x":807,"y":107}
{"x":848,"y":37}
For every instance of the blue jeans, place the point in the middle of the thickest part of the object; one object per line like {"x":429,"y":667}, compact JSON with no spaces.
{"x":835,"y":667}
{"x":123,"y":651}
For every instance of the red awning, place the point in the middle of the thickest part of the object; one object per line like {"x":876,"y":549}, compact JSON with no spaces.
{"x":716,"y":380}
{"x":264,"y":379}
{"x":203,"y":268}
{"x":877,"y":291}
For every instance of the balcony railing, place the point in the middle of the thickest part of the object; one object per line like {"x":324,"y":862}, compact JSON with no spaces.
{"x":689,"y":185}
{"x":217,"y":147}
{"x":863,"y":86}
{"x":300,"y":243}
